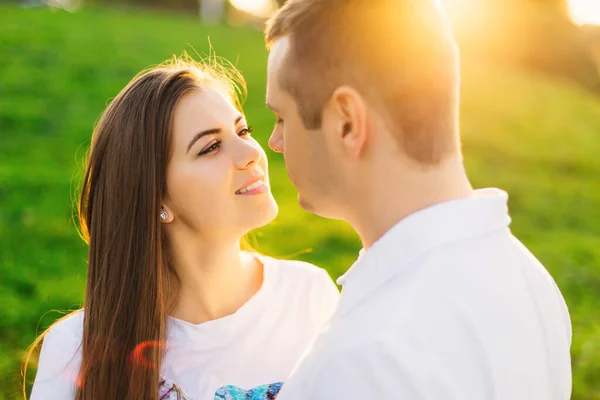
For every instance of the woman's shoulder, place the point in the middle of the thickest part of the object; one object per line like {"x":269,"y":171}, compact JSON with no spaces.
{"x":304,"y":278}
{"x":297,"y":271}
{"x":309,"y":285}
{"x":59,"y":359}
{"x":66,"y":333}
{"x":71,"y":325}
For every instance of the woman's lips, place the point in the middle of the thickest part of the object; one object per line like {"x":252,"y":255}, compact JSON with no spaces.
{"x":256,"y":187}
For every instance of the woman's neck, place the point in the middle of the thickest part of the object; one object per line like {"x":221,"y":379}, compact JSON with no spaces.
{"x":215,"y":280}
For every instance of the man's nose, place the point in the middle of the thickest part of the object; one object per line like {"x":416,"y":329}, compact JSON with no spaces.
{"x":276,"y":142}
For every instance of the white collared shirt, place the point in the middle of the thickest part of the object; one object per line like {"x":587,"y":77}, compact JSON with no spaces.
{"x":448,"y":304}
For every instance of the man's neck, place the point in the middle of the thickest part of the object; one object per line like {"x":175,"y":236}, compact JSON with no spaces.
{"x":390,"y":198}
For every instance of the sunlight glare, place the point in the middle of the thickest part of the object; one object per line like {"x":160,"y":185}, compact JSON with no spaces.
{"x":466,"y":15}
{"x":585,"y":11}
{"x":260,"y":8}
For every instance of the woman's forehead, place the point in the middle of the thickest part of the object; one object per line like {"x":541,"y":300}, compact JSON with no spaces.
{"x":203,"y":109}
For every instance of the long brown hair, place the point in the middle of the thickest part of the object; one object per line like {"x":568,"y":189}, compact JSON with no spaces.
{"x":131,"y":285}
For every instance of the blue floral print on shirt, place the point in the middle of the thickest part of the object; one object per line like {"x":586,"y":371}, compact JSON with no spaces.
{"x":263,"y":392}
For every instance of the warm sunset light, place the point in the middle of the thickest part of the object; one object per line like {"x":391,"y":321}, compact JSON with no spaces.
{"x":260,"y":8}
{"x":582,"y":11}
{"x":585,"y":11}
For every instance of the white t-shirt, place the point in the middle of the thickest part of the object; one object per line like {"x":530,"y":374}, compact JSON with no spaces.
{"x":446,"y":305}
{"x":252,"y":350}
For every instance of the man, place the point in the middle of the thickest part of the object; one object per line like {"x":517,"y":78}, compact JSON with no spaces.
{"x":443,"y":302}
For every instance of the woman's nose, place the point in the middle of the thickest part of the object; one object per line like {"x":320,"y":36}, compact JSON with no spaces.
{"x":250,"y":154}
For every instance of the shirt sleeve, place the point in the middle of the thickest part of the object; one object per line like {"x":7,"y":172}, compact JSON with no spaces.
{"x":58,"y":367}
{"x":359,"y":373}
{"x":387,"y":368}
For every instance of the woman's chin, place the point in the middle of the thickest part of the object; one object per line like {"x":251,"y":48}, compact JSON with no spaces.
{"x":270,"y":211}
{"x":262,"y":214}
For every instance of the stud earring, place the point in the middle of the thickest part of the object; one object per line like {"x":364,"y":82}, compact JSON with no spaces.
{"x":164,"y":215}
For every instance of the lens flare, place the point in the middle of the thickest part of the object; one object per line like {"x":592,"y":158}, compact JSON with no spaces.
{"x":137,"y":355}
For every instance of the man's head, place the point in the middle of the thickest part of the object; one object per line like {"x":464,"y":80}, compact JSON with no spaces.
{"x":350,"y":78}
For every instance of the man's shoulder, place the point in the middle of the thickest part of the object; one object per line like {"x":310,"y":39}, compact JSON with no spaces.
{"x":354,"y":334}
{"x":351,"y":368}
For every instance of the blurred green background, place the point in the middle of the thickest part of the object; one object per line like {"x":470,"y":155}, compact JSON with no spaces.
{"x":530,"y":123}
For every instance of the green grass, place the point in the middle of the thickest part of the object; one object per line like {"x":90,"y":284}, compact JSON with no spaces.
{"x":534,"y":136}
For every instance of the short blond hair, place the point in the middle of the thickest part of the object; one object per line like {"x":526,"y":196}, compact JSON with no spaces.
{"x":399,"y":54}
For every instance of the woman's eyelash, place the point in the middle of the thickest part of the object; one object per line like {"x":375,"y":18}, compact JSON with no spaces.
{"x":246,"y":131}
{"x":210,"y":149}
{"x":217,"y":144}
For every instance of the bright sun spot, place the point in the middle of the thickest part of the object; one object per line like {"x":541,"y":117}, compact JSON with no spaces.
{"x":261,"y":8}
{"x":585,"y":11}
{"x":582,"y":11}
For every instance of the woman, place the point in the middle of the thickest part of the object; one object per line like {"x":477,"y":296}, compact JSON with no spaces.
{"x":174,"y":181}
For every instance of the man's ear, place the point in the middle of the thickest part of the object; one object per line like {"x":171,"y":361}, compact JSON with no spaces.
{"x":350,"y":111}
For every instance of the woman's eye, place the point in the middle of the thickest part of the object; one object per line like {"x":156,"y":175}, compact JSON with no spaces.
{"x":210,"y":149}
{"x":246,"y":131}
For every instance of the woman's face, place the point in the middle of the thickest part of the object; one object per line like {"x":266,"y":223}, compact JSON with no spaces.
{"x":217,"y":176}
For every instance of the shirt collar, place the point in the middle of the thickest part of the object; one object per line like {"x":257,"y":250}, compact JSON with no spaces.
{"x":485,"y":211}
